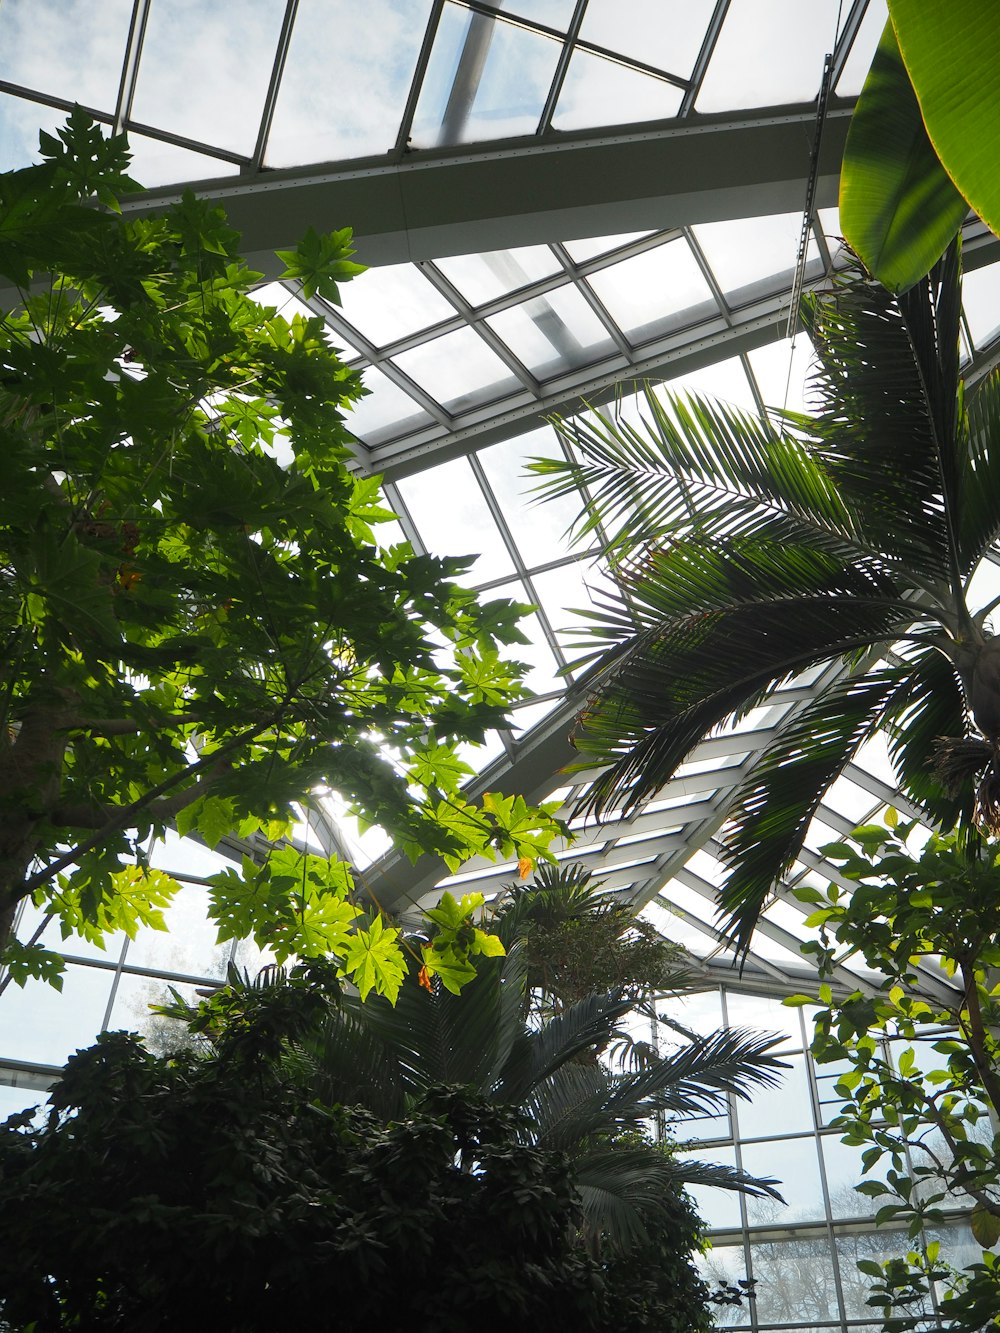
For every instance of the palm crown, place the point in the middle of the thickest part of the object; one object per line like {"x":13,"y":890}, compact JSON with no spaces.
{"x":748,"y":552}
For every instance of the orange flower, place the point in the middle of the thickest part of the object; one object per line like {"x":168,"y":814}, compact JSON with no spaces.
{"x":425,"y":979}
{"x":525,"y":865}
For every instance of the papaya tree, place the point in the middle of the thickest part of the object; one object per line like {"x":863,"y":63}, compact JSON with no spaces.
{"x":199,"y":625}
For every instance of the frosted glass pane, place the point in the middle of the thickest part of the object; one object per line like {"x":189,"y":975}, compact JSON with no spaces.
{"x":71,"y":49}
{"x":752,"y":256}
{"x":665,"y":33}
{"x":486,"y":80}
{"x":768,"y":53}
{"x":385,"y":304}
{"x":581,"y":251}
{"x":597,"y":91}
{"x":459,"y":370}
{"x":387,"y":410}
{"x":484,"y":277}
{"x":858,"y":63}
{"x":552,"y":333}
{"x":655,"y":292}
{"x":197,"y":80}
{"x":536,"y":528}
{"x":452,"y":518}
{"x":346,"y":79}
{"x":157,"y":163}
{"x":981,"y":301}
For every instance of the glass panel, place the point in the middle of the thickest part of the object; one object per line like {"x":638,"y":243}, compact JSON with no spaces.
{"x":45,"y":1026}
{"x":794,"y":1165}
{"x":876,"y":1245}
{"x":20,"y":122}
{"x":981,"y":301}
{"x":386,"y":304}
{"x":781,"y":374}
{"x":157,"y":163}
{"x":452,"y":518}
{"x":753,"y":256}
{"x":386,"y":412}
{"x":597,"y":91}
{"x":486,"y":80}
{"x":665,"y":33}
{"x":795,"y":1281}
{"x":189,"y":943}
{"x":769,"y":52}
{"x":553,"y":333}
{"x":726,"y":381}
{"x":780,"y":1110}
{"x":565,"y":593}
{"x":556,"y":13}
{"x":74,"y":946}
{"x":655,"y":292}
{"x":131,"y":1012}
{"x":718,"y":1208}
{"x":766,"y":1014}
{"x":858,"y":63}
{"x":197,"y":80}
{"x":67,"y":48}
{"x":699,"y":1013}
{"x":435,"y":365}
{"x":346,"y":79}
{"x":723,"y":1265}
{"x":536,"y":528}
{"x":581,"y":251}
{"x":484,"y":277}
{"x":843,"y":1172}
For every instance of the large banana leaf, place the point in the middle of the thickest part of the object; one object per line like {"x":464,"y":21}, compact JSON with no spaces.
{"x":898,"y":206}
{"x":952,"y":55}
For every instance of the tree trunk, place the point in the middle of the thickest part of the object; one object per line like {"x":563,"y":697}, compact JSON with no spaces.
{"x":31,"y":769}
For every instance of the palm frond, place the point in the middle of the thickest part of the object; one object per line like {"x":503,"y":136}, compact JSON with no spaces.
{"x":656,"y":701}
{"x":442,"y":1038}
{"x":698,"y":1076}
{"x":878,"y":416}
{"x":693,"y":464}
{"x":622,"y":1187}
{"x":927,"y":706}
{"x":586,"y":1026}
{"x":774,"y":805}
{"x":978,"y":507}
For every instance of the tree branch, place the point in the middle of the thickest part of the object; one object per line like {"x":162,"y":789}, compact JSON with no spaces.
{"x":125,"y":814}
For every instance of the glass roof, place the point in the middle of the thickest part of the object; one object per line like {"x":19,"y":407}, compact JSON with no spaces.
{"x":329,"y":80}
{"x":466,"y":347}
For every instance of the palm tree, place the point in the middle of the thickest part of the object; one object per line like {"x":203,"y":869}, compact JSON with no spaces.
{"x":578,"y":938}
{"x":749,"y":552}
{"x":383,"y":1057}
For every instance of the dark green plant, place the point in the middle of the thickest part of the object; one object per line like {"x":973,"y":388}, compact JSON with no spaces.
{"x":198,"y":625}
{"x":922,"y":1085}
{"x":749,"y":552}
{"x":209,"y":1191}
{"x":578,"y":939}
{"x":386,"y":1057}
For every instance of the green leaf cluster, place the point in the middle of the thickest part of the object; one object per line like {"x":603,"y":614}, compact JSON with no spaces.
{"x":199,"y":624}
{"x":921,"y":1062}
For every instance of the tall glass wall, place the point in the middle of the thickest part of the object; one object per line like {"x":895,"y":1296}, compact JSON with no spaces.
{"x":802,"y":1255}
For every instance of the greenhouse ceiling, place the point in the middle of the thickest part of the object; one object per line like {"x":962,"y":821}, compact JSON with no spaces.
{"x":559,"y":199}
